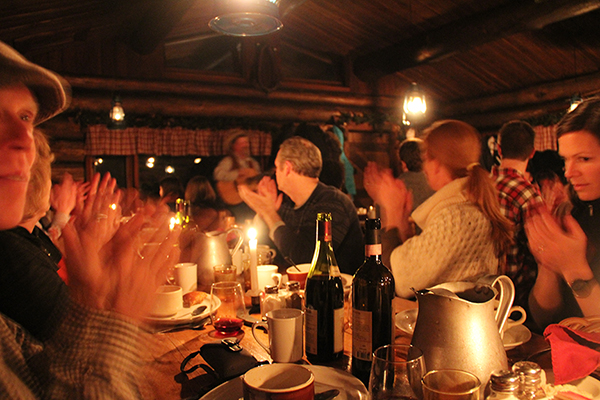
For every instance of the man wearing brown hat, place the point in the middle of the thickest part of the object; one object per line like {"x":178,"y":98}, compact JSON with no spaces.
{"x":95,"y":351}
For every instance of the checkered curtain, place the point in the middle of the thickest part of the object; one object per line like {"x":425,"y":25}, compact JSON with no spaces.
{"x":175,"y":141}
{"x":545,"y":138}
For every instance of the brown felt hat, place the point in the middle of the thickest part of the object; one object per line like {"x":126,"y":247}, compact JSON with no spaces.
{"x":51,"y":91}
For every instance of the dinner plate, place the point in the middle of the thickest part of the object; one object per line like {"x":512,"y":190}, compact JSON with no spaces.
{"x":588,"y":387}
{"x":185,"y":315}
{"x":326,"y":378}
{"x":513,"y":337}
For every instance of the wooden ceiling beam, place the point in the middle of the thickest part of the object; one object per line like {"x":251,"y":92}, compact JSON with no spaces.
{"x":511,"y":18}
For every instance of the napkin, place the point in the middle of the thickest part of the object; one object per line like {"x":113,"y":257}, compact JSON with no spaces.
{"x":575,"y":354}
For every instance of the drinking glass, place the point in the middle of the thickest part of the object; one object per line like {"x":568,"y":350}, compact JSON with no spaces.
{"x":396,"y":373}
{"x":450,"y":384}
{"x":227,"y":308}
{"x":225,"y":273}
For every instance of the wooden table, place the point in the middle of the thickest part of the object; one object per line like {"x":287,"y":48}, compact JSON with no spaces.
{"x":172,"y":347}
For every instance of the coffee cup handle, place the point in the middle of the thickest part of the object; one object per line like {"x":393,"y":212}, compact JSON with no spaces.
{"x":254,"y":327}
{"x":278,"y":276}
{"x":521,"y":311}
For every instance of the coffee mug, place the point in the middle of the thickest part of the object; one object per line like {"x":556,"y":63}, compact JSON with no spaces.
{"x":510,"y":323}
{"x":265,"y":254}
{"x":168,"y":300}
{"x":300,"y":276}
{"x":268,"y":276}
{"x":279,"y":382}
{"x":285,"y":327}
{"x":184,"y":275}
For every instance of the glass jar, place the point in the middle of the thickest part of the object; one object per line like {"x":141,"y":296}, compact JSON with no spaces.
{"x":293,"y":297}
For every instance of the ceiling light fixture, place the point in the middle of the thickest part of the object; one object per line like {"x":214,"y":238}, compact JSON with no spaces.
{"x":117,"y":115}
{"x":246,"y":17}
{"x":415,"y":104}
{"x":574,"y":102}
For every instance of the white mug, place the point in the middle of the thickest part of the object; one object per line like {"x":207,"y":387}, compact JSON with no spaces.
{"x":268,"y":276}
{"x":285,"y":327}
{"x":168,"y":300}
{"x":185,"y":275}
{"x":265,"y":254}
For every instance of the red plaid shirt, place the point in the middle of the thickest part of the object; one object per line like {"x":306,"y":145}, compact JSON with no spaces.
{"x":517,"y":197}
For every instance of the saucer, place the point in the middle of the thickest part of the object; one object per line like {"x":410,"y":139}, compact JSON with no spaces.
{"x":405,"y":320}
{"x":185,"y":314}
{"x":516,"y":336}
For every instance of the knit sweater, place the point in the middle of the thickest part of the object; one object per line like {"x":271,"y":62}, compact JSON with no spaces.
{"x":455,"y":244}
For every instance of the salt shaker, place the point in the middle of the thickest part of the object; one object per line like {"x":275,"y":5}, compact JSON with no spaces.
{"x":293,"y":298}
{"x":530,"y":377}
{"x":504,"y":385}
{"x":270,"y":300}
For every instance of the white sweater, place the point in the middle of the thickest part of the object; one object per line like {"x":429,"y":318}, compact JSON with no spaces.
{"x":455,"y":244}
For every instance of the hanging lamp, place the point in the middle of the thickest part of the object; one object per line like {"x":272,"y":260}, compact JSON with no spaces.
{"x":246,"y":17}
{"x":415,"y":104}
{"x":117,"y":114}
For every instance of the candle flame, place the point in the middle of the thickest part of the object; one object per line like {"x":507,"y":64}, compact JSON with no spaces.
{"x":252,"y":233}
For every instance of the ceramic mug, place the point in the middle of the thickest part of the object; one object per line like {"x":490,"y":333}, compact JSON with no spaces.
{"x":279,"y":382}
{"x":184,"y":275}
{"x":168,"y":301}
{"x":300,"y":276}
{"x":265,"y":254}
{"x":285,"y":327}
{"x":268,"y":276}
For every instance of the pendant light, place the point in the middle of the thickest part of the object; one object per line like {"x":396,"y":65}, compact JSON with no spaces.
{"x":246,"y":17}
{"x":415,"y":104}
{"x":117,"y":115}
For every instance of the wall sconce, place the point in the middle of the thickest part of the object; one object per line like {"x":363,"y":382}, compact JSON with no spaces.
{"x":117,"y":115}
{"x":246,"y":17}
{"x":415,"y":104}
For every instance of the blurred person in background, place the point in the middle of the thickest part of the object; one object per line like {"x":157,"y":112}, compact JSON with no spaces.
{"x":463,"y":231}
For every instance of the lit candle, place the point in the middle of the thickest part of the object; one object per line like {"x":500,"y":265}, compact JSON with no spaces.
{"x":252,"y":243}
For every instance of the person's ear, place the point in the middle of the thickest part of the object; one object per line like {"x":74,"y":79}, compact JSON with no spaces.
{"x":287,"y":167}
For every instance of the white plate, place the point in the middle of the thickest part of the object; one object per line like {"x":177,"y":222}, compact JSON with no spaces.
{"x":185,"y":315}
{"x":515,"y":336}
{"x":325,"y":378}
{"x":587,"y":386}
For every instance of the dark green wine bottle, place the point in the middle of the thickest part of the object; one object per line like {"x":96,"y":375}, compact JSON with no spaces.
{"x":324,"y":296}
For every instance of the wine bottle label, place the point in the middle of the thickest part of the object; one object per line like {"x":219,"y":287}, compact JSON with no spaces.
{"x":311,"y":329}
{"x":373,"y":250}
{"x":338,"y":330}
{"x":362,"y":334}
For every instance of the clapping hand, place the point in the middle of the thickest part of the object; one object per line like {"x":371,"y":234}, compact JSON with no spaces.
{"x":105,"y":270}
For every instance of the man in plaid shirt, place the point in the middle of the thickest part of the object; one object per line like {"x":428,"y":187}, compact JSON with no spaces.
{"x":518,"y":197}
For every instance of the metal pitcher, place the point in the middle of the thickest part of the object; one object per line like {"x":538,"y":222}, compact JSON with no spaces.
{"x":459,"y":325}
{"x":209,"y":249}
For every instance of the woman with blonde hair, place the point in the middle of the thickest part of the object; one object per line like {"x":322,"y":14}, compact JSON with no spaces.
{"x":463,"y":232}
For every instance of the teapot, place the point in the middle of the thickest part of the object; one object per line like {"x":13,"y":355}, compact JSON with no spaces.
{"x":208,"y":249}
{"x":458,"y":327}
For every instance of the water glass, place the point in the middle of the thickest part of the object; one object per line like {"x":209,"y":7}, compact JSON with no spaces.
{"x":396,"y":373}
{"x":451,"y":384}
{"x":227,"y":308}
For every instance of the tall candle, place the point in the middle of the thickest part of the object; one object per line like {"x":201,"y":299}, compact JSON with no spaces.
{"x":252,"y":244}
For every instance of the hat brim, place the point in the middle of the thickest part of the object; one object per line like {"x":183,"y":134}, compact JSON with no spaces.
{"x":52,"y":92}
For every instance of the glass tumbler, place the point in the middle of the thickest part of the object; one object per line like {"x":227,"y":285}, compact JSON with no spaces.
{"x":396,"y":373}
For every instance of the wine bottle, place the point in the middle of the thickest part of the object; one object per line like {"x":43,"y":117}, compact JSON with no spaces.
{"x":373,"y":290}
{"x":324,"y":296}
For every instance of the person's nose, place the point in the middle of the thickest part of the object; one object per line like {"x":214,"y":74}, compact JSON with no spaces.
{"x":18,"y":132}
{"x":570,"y":169}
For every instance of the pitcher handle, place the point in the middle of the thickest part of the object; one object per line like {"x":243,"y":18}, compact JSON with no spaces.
{"x":240,"y":239}
{"x":504,"y":285}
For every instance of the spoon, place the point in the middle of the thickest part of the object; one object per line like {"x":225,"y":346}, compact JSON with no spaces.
{"x":327,"y":395}
{"x":292,"y":263}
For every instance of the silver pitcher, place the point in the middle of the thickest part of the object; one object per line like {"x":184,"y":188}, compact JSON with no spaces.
{"x":209,"y":249}
{"x":459,"y":324}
